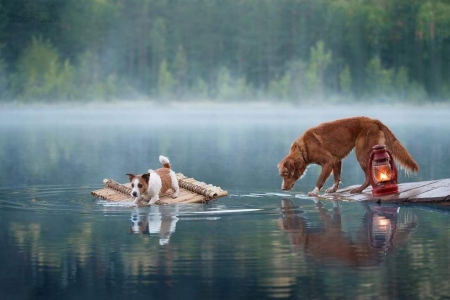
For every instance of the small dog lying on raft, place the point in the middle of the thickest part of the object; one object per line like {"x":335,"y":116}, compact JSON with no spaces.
{"x":148,"y":187}
{"x":329,"y":143}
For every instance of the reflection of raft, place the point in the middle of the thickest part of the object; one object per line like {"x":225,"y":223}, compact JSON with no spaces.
{"x":191,"y":191}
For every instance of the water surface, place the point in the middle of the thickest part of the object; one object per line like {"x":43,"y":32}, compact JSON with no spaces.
{"x":58,"y":242}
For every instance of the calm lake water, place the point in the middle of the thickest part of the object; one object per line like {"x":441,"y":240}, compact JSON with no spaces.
{"x":58,"y":242}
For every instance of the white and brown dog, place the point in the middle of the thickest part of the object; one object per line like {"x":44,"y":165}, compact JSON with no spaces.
{"x":149,"y":186}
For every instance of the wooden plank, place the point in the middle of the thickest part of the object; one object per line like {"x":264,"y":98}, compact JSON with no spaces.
{"x":417,"y":192}
{"x":407,"y":191}
{"x":436,"y":195}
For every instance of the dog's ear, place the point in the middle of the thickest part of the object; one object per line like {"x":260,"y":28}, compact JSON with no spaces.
{"x":146,"y":177}
{"x":294,"y":146}
{"x":130,"y":176}
{"x":290,"y":165}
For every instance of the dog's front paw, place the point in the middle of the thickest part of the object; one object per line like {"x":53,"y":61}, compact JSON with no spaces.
{"x":153,"y":201}
{"x":174,"y":195}
{"x":333,"y":188}
{"x":314,"y":193}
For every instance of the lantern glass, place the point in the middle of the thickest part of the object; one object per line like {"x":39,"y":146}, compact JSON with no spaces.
{"x":381,"y":231}
{"x":382,"y":172}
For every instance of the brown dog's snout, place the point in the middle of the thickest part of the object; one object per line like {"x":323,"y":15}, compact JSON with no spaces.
{"x":286,"y":186}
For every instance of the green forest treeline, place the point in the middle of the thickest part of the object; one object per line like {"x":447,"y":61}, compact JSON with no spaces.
{"x":289,"y":50}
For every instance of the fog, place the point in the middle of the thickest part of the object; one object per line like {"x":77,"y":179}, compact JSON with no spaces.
{"x":236,"y":148}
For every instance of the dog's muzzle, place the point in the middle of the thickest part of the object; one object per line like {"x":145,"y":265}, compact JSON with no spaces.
{"x":287,"y":187}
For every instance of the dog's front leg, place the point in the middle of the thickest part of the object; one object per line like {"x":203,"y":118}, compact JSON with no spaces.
{"x":337,"y":177}
{"x":326,"y":171}
{"x":153,"y":200}
{"x":136,"y":200}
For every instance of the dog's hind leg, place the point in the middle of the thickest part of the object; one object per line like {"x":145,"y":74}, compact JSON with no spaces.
{"x":362,"y":150}
{"x":174,"y":186}
{"x":363,"y":186}
{"x":337,"y":167}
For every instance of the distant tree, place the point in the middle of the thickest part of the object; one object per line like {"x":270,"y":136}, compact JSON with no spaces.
{"x":158,"y":46}
{"x":401,"y":83}
{"x":200,"y":90}
{"x":379,"y":80}
{"x":318,"y":63}
{"x":224,"y":85}
{"x":180,"y":69}
{"x":165,"y":81}
{"x":434,"y":28}
{"x":244,"y":91}
{"x":345,"y":82}
{"x":3,"y":81}
{"x":40,"y":74}
{"x":281,"y":88}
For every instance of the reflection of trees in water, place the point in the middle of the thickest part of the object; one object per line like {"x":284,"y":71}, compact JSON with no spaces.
{"x":96,"y":254}
{"x":382,"y":229}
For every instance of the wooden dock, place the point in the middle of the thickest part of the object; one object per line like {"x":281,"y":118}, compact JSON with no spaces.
{"x":434,"y":191}
{"x":191,"y":191}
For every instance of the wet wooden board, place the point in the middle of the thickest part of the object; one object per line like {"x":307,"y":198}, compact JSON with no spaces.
{"x":191,"y":191}
{"x":434,"y":191}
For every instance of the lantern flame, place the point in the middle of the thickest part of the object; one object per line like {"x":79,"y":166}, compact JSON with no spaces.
{"x":382,"y":173}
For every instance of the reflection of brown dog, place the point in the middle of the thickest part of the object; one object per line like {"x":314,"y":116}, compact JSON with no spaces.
{"x":328,"y":242}
{"x":329,"y":143}
{"x":380,"y":231}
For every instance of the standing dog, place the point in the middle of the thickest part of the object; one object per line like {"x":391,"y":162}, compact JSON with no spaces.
{"x":328,"y":143}
{"x":149,"y":186}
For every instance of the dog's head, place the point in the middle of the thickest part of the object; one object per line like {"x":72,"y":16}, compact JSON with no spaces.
{"x":139,"y":184}
{"x":290,"y":170}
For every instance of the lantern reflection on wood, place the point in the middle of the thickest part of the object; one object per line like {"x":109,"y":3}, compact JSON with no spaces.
{"x":383,"y":172}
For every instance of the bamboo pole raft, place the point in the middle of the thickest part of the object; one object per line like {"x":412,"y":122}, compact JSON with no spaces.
{"x":434,"y":191}
{"x":191,"y":191}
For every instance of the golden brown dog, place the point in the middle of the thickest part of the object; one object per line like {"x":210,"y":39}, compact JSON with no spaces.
{"x":328,"y":143}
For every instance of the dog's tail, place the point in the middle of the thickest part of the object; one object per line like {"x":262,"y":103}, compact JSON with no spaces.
{"x":401,"y":155}
{"x":164,"y":161}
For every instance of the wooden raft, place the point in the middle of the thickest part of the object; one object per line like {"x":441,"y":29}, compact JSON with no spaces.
{"x":191,"y":191}
{"x":434,"y":191}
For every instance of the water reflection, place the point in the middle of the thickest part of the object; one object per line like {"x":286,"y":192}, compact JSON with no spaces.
{"x":158,"y":220}
{"x":382,"y":228}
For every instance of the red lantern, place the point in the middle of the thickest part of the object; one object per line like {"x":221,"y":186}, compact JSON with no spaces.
{"x":383,"y":172}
